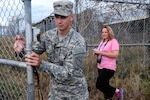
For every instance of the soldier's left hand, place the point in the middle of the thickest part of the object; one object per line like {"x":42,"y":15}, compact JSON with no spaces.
{"x":33,"y":59}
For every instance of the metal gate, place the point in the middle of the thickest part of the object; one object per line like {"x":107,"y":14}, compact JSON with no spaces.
{"x":16,"y":79}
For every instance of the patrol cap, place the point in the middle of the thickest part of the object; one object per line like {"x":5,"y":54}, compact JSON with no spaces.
{"x":63,"y":7}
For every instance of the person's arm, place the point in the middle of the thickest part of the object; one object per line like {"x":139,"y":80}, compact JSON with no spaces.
{"x":39,"y":46}
{"x":112,"y":54}
{"x":114,"y":50}
{"x":74,"y":61}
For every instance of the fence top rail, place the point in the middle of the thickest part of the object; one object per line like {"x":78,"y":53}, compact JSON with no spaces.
{"x":139,"y":44}
{"x":13,"y":63}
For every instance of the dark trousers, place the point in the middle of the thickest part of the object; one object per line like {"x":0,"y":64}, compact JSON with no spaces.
{"x":104,"y":75}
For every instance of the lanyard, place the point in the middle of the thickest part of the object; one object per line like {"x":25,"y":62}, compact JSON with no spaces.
{"x":103,"y":46}
{"x":100,"y":57}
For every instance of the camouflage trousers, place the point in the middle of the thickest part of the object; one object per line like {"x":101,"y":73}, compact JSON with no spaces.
{"x":86,"y":97}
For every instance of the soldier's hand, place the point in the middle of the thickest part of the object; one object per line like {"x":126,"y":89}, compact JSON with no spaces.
{"x":19,"y":44}
{"x":33,"y":59}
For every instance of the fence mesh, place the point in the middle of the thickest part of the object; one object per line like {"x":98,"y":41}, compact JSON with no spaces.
{"x":130,"y":22}
{"x":12,"y":79}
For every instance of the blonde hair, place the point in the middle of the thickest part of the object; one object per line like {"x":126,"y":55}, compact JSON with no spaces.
{"x":110,"y":32}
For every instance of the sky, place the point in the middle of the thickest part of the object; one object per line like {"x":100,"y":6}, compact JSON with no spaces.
{"x":41,"y":9}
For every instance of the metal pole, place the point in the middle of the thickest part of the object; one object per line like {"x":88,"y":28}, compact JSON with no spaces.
{"x":76,"y":12}
{"x":13,"y":63}
{"x":126,"y":2}
{"x":125,"y":45}
{"x":30,"y":84}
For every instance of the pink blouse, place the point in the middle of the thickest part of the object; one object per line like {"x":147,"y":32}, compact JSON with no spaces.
{"x":108,"y":62}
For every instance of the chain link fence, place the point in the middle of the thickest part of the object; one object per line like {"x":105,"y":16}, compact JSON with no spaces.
{"x":13,"y":73}
{"x":130,"y":22}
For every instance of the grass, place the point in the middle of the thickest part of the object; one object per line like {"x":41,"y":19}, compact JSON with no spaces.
{"x":132,"y":74}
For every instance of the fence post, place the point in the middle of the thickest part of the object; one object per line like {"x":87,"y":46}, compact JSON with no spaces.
{"x":28,"y":32}
{"x":76,"y":14}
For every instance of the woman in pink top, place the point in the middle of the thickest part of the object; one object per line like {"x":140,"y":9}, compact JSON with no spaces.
{"x":107,"y":52}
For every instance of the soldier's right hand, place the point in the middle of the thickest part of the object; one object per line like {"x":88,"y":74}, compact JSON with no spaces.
{"x":19,"y":44}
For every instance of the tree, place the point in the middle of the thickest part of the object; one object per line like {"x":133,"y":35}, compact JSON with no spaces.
{"x":91,"y":15}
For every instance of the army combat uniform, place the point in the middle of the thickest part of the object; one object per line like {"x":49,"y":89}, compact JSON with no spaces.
{"x":65,"y":62}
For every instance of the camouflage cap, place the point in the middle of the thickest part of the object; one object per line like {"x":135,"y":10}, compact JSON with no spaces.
{"x":63,"y":7}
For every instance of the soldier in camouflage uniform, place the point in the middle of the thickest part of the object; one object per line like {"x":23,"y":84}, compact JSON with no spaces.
{"x":65,"y":49}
